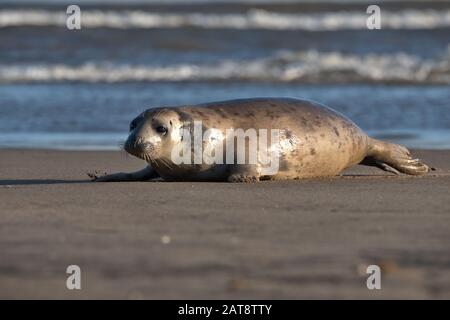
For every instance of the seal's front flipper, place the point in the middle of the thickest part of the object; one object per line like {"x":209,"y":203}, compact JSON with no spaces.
{"x":393,"y":158}
{"x":141,"y":175}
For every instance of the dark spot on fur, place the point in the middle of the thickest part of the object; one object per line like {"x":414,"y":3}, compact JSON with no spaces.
{"x":313,"y":151}
{"x":336,"y":131}
{"x":200,"y":113}
{"x":288,"y":134}
{"x":222,"y":113}
{"x":271,"y":114}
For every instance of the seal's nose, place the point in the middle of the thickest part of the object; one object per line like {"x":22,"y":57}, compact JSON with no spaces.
{"x":136,"y":145}
{"x":138,"y":141}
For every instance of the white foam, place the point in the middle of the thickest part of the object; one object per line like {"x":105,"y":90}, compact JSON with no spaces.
{"x":284,"y":66}
{"x":253,"y":19}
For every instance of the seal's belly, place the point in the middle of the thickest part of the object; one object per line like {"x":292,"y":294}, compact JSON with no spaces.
{"x":314,"y":141}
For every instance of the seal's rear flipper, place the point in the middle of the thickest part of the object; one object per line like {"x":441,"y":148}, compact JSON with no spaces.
{"x":393,"y":158}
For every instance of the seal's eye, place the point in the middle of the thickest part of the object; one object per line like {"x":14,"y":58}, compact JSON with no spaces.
{"x":161,"y":129}
{"x":133,"y":125}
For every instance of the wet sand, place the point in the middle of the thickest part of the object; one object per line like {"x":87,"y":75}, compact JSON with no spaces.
{"x":158,"y":240}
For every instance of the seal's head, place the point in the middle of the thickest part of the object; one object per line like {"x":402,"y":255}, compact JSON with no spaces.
{"x":153,"y":133}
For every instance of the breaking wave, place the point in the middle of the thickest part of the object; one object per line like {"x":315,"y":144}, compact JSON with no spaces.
{"x":285,"y":66}
{"x":252,"y":19}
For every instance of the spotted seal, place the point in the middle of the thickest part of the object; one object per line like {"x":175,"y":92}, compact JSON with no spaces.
{"x":313,"y":141}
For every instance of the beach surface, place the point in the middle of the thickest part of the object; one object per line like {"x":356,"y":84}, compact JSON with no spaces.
{"x":270,"y":240}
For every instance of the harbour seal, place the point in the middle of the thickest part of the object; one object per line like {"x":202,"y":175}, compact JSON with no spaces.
{"x":313,"y":141}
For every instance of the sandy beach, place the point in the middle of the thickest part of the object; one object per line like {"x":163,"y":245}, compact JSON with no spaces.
{"x":155,"y":240}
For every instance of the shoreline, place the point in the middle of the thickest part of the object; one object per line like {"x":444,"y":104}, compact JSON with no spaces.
{"x":291,"y":239}
{"x":413,"y":139}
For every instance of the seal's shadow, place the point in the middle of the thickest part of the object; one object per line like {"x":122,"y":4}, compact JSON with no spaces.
{"x":28,"y":182}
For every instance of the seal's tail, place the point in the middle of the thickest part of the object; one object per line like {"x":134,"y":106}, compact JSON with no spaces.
{"x":393,"y":158}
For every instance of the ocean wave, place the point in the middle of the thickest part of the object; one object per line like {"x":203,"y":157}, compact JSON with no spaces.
{"x":252,"y":19}
{"x":285,"y":66}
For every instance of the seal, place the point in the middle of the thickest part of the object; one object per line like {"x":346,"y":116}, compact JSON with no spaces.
{"x":312,"y":141}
